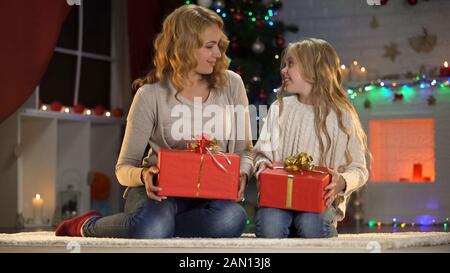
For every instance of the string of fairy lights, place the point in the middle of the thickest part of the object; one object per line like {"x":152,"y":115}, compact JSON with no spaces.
{"x":423,"y":221}
{"x":401,"y":88}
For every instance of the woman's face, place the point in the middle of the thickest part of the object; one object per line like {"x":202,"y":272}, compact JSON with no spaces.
{"x":209,"y":52}
{"x":293,"y":79}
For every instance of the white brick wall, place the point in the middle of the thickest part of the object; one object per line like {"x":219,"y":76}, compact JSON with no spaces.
{"x":346,"y":25}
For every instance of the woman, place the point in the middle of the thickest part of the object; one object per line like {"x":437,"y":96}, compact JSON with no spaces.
{"x":190,"y":62}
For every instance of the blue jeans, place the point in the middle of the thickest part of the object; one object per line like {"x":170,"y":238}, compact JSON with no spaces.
{"x":283,"y":223}
{"x":174,"y":217}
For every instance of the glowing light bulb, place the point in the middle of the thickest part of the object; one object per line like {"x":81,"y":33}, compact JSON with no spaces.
{"x":363,"y":69}
{"x":355,"y":63}
{"x":88,"y":112}
{"x":108,"y":114}
{"x":445,"y":64}
{"x":44,"y":107}
{"x":343,"y":67}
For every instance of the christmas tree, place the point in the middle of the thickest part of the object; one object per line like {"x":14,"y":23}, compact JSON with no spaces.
{"x":256,"y":43}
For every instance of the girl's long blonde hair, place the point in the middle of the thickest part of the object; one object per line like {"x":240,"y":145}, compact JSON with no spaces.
{"x":175,"y":44}
{"x":320,"y":66}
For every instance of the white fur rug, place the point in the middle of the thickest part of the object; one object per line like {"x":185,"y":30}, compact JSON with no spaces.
{"x":368,"y":242}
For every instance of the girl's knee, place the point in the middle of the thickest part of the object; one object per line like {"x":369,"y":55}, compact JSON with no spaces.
{"x":315,"y":225}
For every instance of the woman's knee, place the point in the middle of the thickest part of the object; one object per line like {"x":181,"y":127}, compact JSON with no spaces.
{"x":272,"y":223}
{"x":229,"y":220}
{"x":154,"y":220}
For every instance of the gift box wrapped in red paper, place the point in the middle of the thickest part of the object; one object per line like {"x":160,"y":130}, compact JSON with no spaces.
{"x":295,"y":184}
{"x":200,"y":172}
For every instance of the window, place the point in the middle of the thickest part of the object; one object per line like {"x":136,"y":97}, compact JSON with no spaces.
{"x":80,"y":69}
{"x":403,"y":150}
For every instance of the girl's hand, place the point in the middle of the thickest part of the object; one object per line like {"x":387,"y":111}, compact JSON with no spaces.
{"x":242,"y":184}
{"x":147,"y":178}
{"x":336,"y":185}
{"x":263,"y":166}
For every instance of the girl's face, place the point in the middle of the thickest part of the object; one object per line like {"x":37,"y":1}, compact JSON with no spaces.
{"x":293,"y":79}
{"x":209,"y":52}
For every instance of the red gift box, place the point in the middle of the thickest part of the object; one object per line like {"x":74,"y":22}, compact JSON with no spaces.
{"x":305,"y":191}
{"x":191,"y":174}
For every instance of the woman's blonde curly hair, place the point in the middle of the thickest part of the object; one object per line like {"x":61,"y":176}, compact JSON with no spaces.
{"x":175,"y":45}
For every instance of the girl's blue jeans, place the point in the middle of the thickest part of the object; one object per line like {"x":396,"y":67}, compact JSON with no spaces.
{"x":282,"y":223}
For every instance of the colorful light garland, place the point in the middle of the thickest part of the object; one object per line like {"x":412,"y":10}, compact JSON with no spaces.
{"x":403,"y":225}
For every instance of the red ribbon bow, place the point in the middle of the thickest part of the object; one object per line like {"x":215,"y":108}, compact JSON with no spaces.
{"x":206,"y":144}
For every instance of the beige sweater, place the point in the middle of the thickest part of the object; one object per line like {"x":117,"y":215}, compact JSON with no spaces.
{"x":150,"y":116}
{"x":293,"y":132}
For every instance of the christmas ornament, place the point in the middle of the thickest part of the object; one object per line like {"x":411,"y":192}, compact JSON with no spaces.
{"x":238,"y":17}
{"x":258,"y":47}
{"x":391,"y":51}
{"x":117,"y":112}
{"x":99,"y":110}
{"x":219,"y":4}
{"x":55,"y":106}
{"x":204,"y":3}
{"x":281,"y":42}
{"x":262,"y":96}
{"x":78,"y":108}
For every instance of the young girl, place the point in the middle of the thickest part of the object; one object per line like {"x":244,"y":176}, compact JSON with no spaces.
{"x":317,"y":119}
{"x":191,"y":65}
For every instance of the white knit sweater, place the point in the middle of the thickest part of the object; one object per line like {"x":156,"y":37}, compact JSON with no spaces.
{"x":293,"y":132}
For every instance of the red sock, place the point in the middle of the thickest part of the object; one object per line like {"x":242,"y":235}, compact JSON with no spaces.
{"x":72,"y":227}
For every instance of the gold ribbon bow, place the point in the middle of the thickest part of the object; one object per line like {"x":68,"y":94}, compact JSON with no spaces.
{"x":296,"y":164}
{"x":299,"y":163}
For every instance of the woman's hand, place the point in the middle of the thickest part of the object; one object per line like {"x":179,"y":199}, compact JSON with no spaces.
{"x":336,"y":185}
{"x":242,"y":184}
{"x":147,"y":178}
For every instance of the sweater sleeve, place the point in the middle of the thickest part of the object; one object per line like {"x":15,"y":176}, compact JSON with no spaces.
{"x":244,"y":145}
{"x":356,"y":174}
{"x":268,"y":140}
{"x":139,"y":128}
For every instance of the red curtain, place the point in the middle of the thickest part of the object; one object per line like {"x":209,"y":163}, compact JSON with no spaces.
{"x":144,"y":22}
{"x":29,"y":31}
